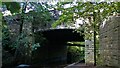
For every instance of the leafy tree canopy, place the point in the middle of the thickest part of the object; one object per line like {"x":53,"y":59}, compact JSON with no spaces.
{"x":14,"y":7}
{"x":86,"y":11}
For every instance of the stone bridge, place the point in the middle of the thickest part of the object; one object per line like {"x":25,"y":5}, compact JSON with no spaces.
{"x":55,"y":50}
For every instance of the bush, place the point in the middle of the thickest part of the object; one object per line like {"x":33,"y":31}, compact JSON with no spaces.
{"x":74,"y":54}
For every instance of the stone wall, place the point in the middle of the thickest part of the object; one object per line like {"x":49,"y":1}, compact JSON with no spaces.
{"x":89,"y":52}
{"x":110,"y":41}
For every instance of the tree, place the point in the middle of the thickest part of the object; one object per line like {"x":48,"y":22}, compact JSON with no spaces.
{"x":95,"y":12}
{"x":39,"y":17}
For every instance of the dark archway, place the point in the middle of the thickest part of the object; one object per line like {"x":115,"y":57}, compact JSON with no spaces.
{"x":54,"y":52}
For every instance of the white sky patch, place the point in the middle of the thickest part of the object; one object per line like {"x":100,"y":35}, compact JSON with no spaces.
{"x":28,"y":10}
{"x":102,"y":0}
{"x":6,"y":13}
{"x":60,"y":13}
{"x":78,"y":21}
{"x":67,"y":6}
{"x":53,"y":2}
{"x":101,"y":10}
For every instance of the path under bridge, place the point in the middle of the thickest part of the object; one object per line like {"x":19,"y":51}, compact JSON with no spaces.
{"x":54,"y":52}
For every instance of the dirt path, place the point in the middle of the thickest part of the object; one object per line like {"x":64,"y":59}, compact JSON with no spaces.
{"x":79,"y":65}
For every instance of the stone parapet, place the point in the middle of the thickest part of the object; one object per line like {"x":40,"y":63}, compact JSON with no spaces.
{"x":110,"y":42}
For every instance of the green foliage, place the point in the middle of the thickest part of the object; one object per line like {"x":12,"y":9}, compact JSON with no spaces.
{"x":79,"y":43}
{"x":24,"y":44}
{"x":5,"y":35}
{"x":35,"y":46}
{"x":14,"y":7}
{"x":117,"y":7}
{"x":73,"y":48}
{"x":23,"y":39}
{"x":75,"y":54}
{"x":85,"y":10}
{"x":94,"y":12}
{"x":39,"y":39}
{"x":40,"y":16}
{"x":6,"y":42}
{"x":39,"y":19}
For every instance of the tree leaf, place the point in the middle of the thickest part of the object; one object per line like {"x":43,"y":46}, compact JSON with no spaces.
{"x":14,"y":7}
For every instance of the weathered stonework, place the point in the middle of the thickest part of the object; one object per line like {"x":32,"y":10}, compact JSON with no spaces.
{"x":89,"y":52}
{"x":110,"y":41}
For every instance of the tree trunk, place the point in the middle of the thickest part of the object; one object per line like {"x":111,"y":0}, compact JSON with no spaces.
{"x":20,"y":49}
{"x":94,"y":39}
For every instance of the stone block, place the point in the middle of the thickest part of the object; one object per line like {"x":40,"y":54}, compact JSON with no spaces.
{"x":119,"y":46}
{"x":111,"y":25}
{"x":108,"y":26}
{"x":105,"y":28}
{"x":101,"y":29}
{"x":119,"y":53}
{"x":116,"y":21}
{"x":119,"y":61}
{"x":101,"y":37}
{"x":89,"y":56}
{"x":110,"y":33}
{"x":110,"y":42}
{"x":119,"y":31}
{"x":113,"y":62}
{"x":115,"y":31}
{"x":114,"y":46}
{"x":114,"y":52}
